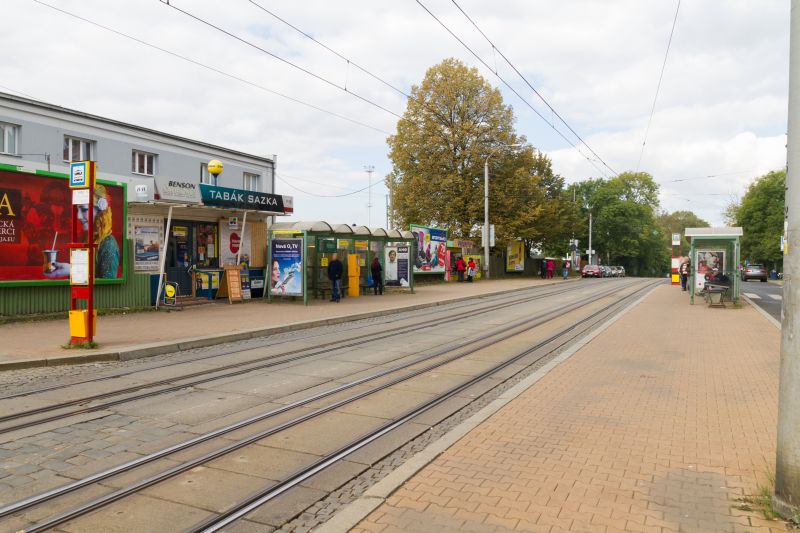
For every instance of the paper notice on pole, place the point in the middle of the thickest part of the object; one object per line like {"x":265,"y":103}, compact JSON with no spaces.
{"x":79,"y":266}
{"x":80,"y":196}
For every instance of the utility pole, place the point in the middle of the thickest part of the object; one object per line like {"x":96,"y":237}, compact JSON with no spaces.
{"x":590,"y":238}
{"x":370,"y":169}
{"x":387,"y":212}
{"x":485,"y":231}
{"x":786,"y":500}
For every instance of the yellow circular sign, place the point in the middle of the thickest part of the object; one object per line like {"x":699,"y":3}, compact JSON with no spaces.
{"x":169,"y":291}
{"x":215,"y":167}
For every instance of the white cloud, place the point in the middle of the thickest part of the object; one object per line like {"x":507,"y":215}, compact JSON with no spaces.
{"x":722,"y":106}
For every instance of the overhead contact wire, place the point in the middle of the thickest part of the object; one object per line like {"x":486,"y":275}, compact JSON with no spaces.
{"x":508,"y":85}
{"x":536,"y":92}
{"x":279,"y":58}
{"x":210,"y":68}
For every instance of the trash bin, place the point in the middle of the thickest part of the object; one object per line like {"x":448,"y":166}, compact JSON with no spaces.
{"x":773,"y":274}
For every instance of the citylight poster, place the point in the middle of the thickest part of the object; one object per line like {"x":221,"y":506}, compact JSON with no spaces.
{"x":286,"y":270}
{"x":515,"y":256}
{"x":431,"y":248}
{"x":395,"y":270}
{"x":708,"y":261}
{"x":147,"y":248}
{"x":35,"y":229}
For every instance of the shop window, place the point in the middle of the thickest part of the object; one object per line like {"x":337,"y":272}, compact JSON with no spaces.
{"x":205,"y":175}
{"x":143,"y":163}
{"x":206,"y":246}
{"x":76,"y":149}
{"x":250,"y":182}
{"x":9,"y":133}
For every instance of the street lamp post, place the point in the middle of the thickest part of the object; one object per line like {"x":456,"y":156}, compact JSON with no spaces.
{"x":486,"y":207}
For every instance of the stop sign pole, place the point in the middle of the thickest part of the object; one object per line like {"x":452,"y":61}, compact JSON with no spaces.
{"x":81,"y":273}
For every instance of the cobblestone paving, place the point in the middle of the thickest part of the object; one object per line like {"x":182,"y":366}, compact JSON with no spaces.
{"x":322,"y":510}
{"x":19,"y":381}
{"x":642,"y":430}
{"x":61,"y":451}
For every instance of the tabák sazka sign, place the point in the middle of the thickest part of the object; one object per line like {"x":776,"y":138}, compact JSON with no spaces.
{"x":241,"y":199}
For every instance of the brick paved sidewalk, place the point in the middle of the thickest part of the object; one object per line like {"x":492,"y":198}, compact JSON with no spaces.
{"x":659,"y":424}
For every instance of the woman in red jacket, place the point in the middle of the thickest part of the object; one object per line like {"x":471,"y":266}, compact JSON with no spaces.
{"x":461,"y":267}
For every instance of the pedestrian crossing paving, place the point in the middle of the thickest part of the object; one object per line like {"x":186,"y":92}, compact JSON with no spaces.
{"x":754,"y":296}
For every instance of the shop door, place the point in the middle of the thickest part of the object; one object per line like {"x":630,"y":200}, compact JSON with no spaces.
{"x":179,"y":256}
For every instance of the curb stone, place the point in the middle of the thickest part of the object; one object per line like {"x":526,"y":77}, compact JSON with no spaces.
{"x":190,"y":343}
{"x":351,"y":515}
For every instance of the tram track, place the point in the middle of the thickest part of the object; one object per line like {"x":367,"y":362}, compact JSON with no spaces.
{"x":236,"y":369}
{"x":470,"y":346}
{"x":385,"y":319}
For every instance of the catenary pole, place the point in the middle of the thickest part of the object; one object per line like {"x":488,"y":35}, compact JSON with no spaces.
{"x":485,"y":231}
{"x":590,"y":238}
{"x":786,"y":499}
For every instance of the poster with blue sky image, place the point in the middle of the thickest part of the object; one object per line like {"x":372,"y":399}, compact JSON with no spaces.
{"x":286,"y":272}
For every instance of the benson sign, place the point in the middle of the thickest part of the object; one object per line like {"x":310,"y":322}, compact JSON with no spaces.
{"x":241,"y":199}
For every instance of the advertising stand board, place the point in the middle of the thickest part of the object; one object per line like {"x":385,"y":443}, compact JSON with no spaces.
{"x":231,"y":284}
{"x":286,"y":267}
{"x":38,"y":214}
{"x":431,"y":245}
{"x":515,"y":257}
{"x":396,"y":266}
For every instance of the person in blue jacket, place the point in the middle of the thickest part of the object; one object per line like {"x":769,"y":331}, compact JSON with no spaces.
{"x":335,"y":271}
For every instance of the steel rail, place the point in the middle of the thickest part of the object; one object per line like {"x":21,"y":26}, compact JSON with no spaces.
{"x":174,"y":384}
{"x":105,"y":500}
{"x":455,"y":305}
{"x":125,"y":467}
{"x":241,"y":509}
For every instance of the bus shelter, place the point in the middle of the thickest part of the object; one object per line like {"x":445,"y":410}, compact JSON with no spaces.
{"x":715,"y":257}
{"x":298,"y":254}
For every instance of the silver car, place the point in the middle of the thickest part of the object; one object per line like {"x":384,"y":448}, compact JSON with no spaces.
{"x":754,"y":272}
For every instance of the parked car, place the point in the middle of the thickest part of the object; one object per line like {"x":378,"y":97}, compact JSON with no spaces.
{"x":621,"y":271}
{"x":614,"y":271}
{"x":606,"y":271}
{"x":754,"y":272}
{"x":591,"y":271}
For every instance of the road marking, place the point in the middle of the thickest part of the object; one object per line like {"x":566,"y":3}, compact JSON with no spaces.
{"x":776,"y":296}
{"x":752,"y":295}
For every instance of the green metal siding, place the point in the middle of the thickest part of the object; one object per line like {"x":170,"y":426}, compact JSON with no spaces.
{"x":135,"y":292}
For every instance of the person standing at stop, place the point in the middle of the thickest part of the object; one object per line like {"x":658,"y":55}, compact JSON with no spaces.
{"x":377,"y":275}
{"x":551,"y":267}
{"x":335,"y":271}
{"x":461,"y":267}
{"x":684,"y":273}
{"x":566,"y":269}
{"x":471,"y":268}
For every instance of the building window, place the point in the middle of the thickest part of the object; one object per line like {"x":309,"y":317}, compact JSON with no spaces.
{"x":8,"y":138}
{"x":251,"y":182}
{"x":205,"y":175}
{"x":78,"y":149}
{"x":143,"y":163}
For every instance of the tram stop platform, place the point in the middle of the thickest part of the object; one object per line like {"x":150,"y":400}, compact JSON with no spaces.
{"x":665,"y":421}
{"x":142,"y":334}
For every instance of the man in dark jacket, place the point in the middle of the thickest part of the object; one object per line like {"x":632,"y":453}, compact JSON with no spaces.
{"x":335,"y":271}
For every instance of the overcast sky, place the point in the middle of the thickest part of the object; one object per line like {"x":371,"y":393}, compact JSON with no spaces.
{"x":721,"y":109}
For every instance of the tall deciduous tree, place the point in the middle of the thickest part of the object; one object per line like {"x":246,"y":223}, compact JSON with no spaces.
{"x":625,"y":231}
{"x":760,"y":214}
{"x":454,"y":121}
{"x":677,"y":222}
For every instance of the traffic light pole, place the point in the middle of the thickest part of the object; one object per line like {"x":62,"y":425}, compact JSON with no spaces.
{"x":786,"y":500}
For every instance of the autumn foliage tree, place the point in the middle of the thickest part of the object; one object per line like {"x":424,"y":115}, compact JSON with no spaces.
{"x":454,"y":121}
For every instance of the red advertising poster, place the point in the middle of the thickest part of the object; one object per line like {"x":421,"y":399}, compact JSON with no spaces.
{"x":35,"y":228}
